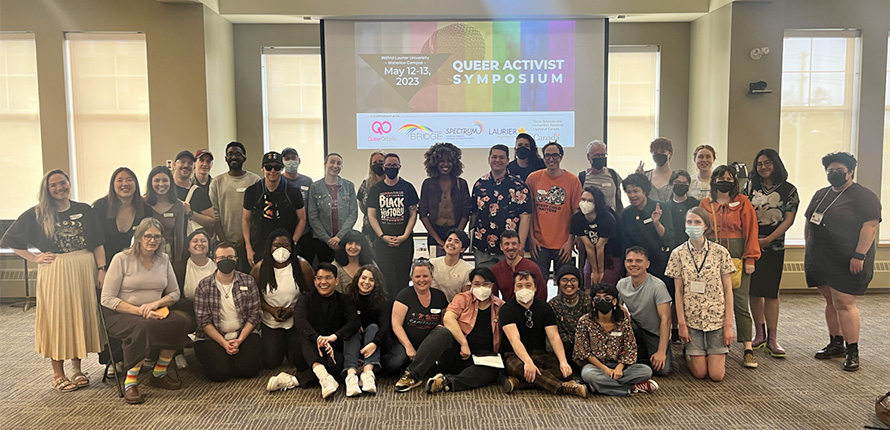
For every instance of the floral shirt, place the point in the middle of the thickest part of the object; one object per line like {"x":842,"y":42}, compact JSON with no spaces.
{"x":498,"y":204}
{"x":704,"y":310}
{"x":567,"y":316}
{"x":618,"y":345}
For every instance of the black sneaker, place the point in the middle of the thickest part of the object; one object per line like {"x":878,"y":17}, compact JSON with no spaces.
{"x":832,"y":350}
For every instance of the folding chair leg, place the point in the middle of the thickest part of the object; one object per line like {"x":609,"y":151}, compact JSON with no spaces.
{"x":111,"y":359}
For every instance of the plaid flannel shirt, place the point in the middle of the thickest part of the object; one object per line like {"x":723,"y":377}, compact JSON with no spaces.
{"x":207,"y":302}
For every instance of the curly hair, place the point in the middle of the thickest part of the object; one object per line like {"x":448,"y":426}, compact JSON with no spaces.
{"x":839,"y":157}
{"x":443,"y":151}
{"x":609,"y":289}
{"x":379,"y":297}
{"x":365,"y":256}
{"x":637,"y":180}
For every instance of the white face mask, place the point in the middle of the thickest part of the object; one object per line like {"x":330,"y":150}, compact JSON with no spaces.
{"x":281,"y":255}
{"x":291,"y":166}
{"x":586,"y":207}
{"x":481,"y":293}
{"x":525,"y":295}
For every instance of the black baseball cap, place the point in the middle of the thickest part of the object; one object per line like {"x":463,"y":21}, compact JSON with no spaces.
{"x":185,"y":153}
{"x":288,"y":151}
{"x":272,"y":157}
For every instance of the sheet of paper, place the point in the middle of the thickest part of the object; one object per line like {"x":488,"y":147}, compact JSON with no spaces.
{"x":489,"y":361}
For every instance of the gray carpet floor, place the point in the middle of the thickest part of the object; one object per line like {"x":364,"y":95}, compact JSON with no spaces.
{"x":798,"y":392}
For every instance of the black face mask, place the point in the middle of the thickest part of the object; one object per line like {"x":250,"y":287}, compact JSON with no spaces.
{"x":226,"y":266}
{"x":523,"y":152}
{"x":837,"y":179}
{"x":724,"y":186}
{"x":604,"y":307}
{"x":377,"y":168}
{"x":681,"y":189}
{"x":391,"y":172}
{"x":660,"y":159}
{"x":598,"y":163}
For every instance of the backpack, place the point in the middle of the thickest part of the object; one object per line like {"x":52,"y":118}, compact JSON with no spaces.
{"x":583,"y":175}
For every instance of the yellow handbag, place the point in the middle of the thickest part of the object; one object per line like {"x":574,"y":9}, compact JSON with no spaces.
{"x":737,"y":262}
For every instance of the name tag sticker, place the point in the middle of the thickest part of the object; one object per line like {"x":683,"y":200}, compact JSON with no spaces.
{"x":697,"y":287}
{"x":647,"y":220}
{"x":240,"y":190}
{"x":73,"y":217}
{"x":243,"y":288}
{"x":816,"y":218}
{"x":435,"y":311}
{"x":606,"y":184}
{"x":615,"y":334}
{"x":734,"y":204}
{"x":168,"y":215}
{"x":304,"y":188}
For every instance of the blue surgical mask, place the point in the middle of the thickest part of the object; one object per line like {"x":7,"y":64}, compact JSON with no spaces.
{"x":694,"y":231}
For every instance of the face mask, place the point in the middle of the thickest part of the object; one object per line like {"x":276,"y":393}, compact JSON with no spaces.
{"x":226,"y":266}
{"x":660,"y":159}
{"x":523,"y":153}
{"x":837,"y":179}
{"x":377,"y":168}
{"x":291,"y":166}
{"x":391,"y":172}
{"x":598,"y":163}
{"x":681,"y":189}
{"x":481,"y":293}
{"x":694,"y":231}
{"x":723,"y":186}
{"x":586,"y":207}
{"x":604,"y":307}
{"x":281,"y":255}
{"x":525,"y":295}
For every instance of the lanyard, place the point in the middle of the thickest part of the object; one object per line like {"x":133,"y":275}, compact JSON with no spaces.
{"x":699,"y":267}
{"x":816,"y":210}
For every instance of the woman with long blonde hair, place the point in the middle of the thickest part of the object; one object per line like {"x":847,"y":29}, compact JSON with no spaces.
{"x":70,"y":247}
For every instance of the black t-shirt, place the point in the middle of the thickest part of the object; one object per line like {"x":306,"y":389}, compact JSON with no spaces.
{"x":481,"y":339}
{"x":115,"y":240}
{"x":604,"y":226}
{"x":76,"y":228}
{"x":200,"y":199}
{"x":271,"y":209}
{"x":420,"y":319}
{"x":392,"y":205}
{"x":534,"y":337}
{"x":534,"y":164}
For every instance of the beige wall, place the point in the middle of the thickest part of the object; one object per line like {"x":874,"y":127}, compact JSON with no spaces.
{"x":219,"y":58}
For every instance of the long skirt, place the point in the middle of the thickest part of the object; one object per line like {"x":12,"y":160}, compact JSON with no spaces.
{"x":66,"y":322}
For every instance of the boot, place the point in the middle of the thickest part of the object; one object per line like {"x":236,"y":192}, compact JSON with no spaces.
{"x":851,"y":362}
{"x":772,"y":345}
{"x":759,"y":336}
{"x":835,"y":348}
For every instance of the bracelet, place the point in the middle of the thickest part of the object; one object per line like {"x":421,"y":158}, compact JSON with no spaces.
{"x":858,"y":255}
{"x":105,"y":268}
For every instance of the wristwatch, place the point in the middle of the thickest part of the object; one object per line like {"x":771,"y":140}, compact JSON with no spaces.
{"x":858,"y":255}
{"x":105,"y":268}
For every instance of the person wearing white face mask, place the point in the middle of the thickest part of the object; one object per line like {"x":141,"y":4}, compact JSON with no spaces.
{"x":596,"y":231}
{"x":528,"y":323}
{"x":471,"y":330}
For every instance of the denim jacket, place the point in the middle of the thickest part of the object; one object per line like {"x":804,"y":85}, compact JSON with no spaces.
{"x":319,"y":209}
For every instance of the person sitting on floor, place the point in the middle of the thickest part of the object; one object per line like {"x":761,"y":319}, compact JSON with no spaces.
{"x":375,"y":310}
{"x":569,"y":305}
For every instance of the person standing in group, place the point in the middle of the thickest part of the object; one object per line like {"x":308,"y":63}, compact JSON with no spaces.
{"x":662,"y":149}
{"x":527,"y":159}
{"x":775,"y":203}
{"x":842,"y":221}
{"x":702,"y":272}
{"x":700,"y":184}
{"x":607,"y":180}
{"x":451,"y":273}
{"x":501,"y":204}
{"x":120,"y":211}
{"x":197,"y":200}
{"x":171,"y":212}
{"x":227,"y":309}
{"x":679,"y":204}
{"x":557,"y":194}
{"x":227,"y":197}
{"x":307,"y":243}
{"x":595,"y":227}
{"x":375,"y":175}
{"x":513,"y":262}
{"x":445,"y":203}
{"x":392,"y":212}
{"x":203,"y":164}
{"x":332,"y":209}
{"x":353,"y":253}
{"x":734,"y":225}
{"x":271,"y":204}
{"x":70,"y":243}
{"x":645,"y":223}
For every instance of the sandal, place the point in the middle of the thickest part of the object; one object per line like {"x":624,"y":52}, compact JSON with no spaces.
{"x":80,"y":380}
{"x":63,"y":385}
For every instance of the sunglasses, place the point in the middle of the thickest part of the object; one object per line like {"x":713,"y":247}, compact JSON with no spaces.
{"x":270,"y":167}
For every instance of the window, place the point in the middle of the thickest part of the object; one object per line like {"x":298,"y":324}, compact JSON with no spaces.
{"x":633,"y":104}
{"x":885,"y":181}
{"x":820,"y":90}
{"x":21,"y":160}
{"x":107,"y":84}
{"x":292,"y":107}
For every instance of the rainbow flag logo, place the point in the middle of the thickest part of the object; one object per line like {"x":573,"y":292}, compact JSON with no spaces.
{"x":480,"y":126}
{"x":411,"y":128}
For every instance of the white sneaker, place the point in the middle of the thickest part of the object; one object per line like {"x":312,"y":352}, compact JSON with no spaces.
{"x":283,"y":381}
{"x":352,"y":388}
{"x":329,"y":386}
{"x":181,"y":362}
{"x":369,"y":382}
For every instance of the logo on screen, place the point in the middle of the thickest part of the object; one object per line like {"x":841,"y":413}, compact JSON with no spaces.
{"x":411,"y":128}
{"x":381,"y":127}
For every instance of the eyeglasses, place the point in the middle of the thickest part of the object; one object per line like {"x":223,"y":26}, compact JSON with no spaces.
{"x":554,"y":155}
{"x":391,"y":166}
{"x":597,"y":299}
{"x":844,"y":171}
{"x":270,"y":167}
{"x":483,"y":284}
{"x":569,"y":281}
{"x":529,"y":314}
{"x":765,"y":163}
{"x":152,"y":237}
{"x":226,"y":257}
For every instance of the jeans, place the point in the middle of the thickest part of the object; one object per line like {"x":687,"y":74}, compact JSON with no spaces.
{"x":352,"y":349}
{"x":394,"y":358}
{"x":277,"y":345}
{"x":219,"y":366}
{"x":484,"y":259}
{"x":604,"y":384}
{"x":545,"y":256}
{"x":647,"y":344}
{"x":439,"y":351}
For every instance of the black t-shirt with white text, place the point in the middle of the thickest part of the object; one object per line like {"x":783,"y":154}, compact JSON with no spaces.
{"x":392,"y":204}
{"x":420,"y":320}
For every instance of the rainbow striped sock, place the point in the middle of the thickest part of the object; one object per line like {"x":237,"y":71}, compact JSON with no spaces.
{"x":132,"y":376}
{"x":161,"y":366}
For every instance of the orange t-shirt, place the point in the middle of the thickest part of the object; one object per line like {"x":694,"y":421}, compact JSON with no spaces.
{"x":555,"y":200}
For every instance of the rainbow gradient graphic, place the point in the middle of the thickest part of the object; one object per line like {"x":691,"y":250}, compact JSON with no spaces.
{"x":411,"y":128}
{"x":481,"y":126}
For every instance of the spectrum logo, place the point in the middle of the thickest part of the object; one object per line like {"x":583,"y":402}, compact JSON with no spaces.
{"x":381,"y":127}
{"x":411,"y":128}
{"x":465,"y":131}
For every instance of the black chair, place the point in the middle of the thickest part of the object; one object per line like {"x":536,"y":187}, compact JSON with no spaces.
{"x":110,"y":364}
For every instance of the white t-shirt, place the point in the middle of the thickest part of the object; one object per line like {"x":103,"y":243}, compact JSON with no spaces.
{"x":450,"y":279}
{"x":284,"y":296}
{"x":229,"y":322}
{"x":194,"y":274}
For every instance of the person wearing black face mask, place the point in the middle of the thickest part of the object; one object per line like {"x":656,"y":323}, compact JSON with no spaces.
{"x":601,"y":177}
{"x":661,"y":149}
{"x":527,"y":158}
{"x":606,"y":347}
{"x":679,"y":203}
{"x":842,"y":221}
{"x":375,"y":175}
